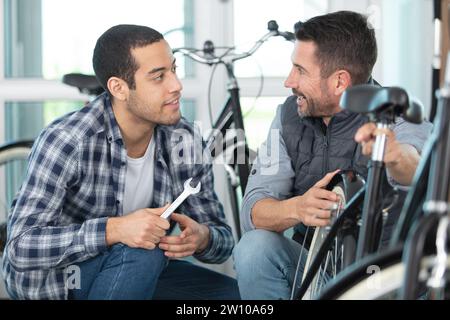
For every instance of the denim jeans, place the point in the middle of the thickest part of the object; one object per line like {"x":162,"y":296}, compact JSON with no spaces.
{"x":127,"y":273}
{"x":265,"y":264}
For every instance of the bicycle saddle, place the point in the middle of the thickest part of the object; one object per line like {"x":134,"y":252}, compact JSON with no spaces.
{"x":374,"y":100}
{"x":85,"y":83}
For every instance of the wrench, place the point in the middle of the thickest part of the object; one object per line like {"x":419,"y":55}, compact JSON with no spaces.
{"x":188,"y":190}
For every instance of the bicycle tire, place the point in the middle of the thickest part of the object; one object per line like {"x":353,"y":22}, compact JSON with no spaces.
{"x":360,"y":272}
{"x":15,"y":150}
{"x":9,"y":152}
{"x":320,"y":234}
{"x":346,"y":184}
{"x":384,"y":284}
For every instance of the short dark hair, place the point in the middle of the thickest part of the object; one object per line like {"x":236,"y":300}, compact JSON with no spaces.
{"x":112,"y":54}
{"x":345,"y":40}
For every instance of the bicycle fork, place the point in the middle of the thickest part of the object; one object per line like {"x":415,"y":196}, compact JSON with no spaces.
{"x":367,"y":239}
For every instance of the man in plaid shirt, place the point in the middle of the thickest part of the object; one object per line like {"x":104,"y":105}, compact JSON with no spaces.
{"x":86,"y":222}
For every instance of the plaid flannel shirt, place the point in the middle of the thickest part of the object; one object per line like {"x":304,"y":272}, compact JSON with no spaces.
{"x":75,"y":180}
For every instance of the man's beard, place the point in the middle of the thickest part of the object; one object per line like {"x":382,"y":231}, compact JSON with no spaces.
{"x":141,"y":111}
{"x":314,"y":107}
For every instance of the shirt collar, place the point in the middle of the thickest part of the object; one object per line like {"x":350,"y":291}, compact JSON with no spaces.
{"x":342,"y":115}
{"x":113,"y":131}
{"x":112,"y":128}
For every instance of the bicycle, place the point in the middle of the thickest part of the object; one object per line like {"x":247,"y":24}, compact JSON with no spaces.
{"x":417,"y":263}
{"x":382,"y":105}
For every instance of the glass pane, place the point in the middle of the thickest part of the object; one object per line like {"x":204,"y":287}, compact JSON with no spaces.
{"x":258,"y":115}
{"x":25,"y":120}
{"x":49,"y":38}
{"x":188,"y":109}
{"x":23,"y":38}
{"x":274,"y":56}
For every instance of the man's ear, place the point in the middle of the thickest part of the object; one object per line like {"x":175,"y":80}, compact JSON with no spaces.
{"x":341,"y":81}
{"x":118,"y":88}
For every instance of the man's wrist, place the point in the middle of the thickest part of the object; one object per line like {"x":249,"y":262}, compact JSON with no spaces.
{"x":111,"y":231}
{"x":205,"y":232}
{"x":403,"y":169}
{"x":293,"y":208}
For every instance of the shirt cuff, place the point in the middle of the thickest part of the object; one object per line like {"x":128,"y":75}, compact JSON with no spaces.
{"x":218,"y":249}
{"x":95,"y":236}
{"x":208,"y":252}
{"x":246,"y":212}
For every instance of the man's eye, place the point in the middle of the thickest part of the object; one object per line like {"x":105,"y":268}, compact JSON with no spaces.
{"x":158,"y":78}
{"x":174,"y":68}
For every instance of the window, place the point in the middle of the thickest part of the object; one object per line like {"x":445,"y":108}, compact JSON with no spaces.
{"x":49,"y":38}
{"x":258,"y":115}
{"x":45,"y":39}
{"x":273,"y":57}
{"x":18,"y":123}
{"x":272,"y":61}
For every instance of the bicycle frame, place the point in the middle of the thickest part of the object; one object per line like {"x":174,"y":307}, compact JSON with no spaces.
{"x":232,"y":113}
{"x":371,"y":217}
{"x":436,"y":206}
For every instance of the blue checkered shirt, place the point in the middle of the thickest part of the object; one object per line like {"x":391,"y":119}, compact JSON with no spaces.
{"x":75,"y":180}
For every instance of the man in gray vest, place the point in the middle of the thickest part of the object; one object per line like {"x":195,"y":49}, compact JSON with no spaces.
{"x":310,"y":140}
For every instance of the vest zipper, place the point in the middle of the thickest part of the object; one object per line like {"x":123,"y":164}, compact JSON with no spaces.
{"x":327,"y":149}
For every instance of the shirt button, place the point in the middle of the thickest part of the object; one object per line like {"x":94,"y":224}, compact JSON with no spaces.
{"x":123,"y":163}
{"x":118,"y":201}
{"x":254,"y":171}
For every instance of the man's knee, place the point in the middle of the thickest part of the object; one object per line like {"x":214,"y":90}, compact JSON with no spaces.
{"x":150,"y":262}
{"x":257,"y":246}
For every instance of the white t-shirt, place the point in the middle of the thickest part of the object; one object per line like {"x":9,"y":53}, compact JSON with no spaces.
{"x":139,"y":181}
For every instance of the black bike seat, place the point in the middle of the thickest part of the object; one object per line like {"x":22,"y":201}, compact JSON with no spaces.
{"x":373,"y":99}
{"x":85,"y":83}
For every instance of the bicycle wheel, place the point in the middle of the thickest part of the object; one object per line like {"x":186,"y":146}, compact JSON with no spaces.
{"x":382,"y":279}
{"x":342,"y":252}
{"x":360,"y":273}
{"x":331,"y":264}
{"x":13,"y":161}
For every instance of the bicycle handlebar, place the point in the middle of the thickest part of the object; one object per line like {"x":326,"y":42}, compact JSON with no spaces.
{"x":210,"y":59}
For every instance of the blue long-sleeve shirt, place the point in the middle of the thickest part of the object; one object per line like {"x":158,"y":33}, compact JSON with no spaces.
{"x":75,"y":180}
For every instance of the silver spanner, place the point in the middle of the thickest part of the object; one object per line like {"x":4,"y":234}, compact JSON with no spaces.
{"x":188,"y":190}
